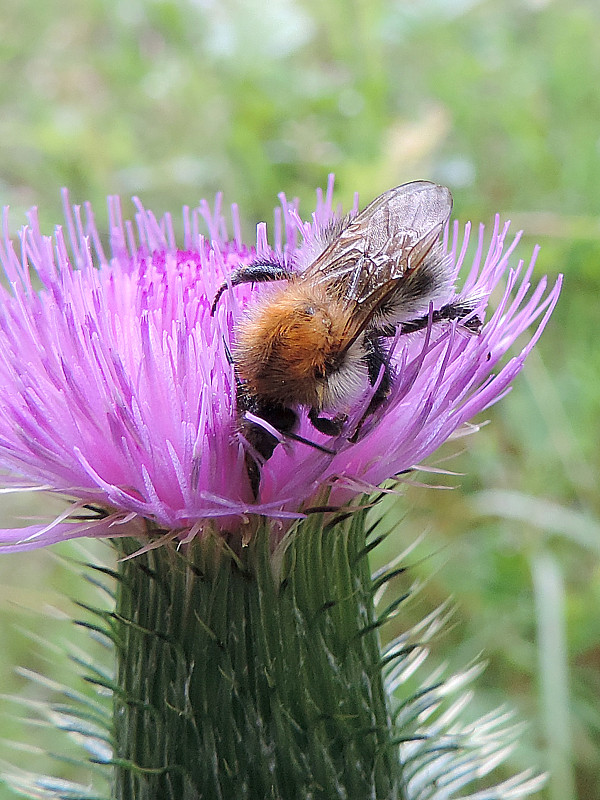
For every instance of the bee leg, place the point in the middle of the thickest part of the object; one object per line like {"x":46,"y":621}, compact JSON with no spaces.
{"x":457,"y":309}
{"x":261,"y":442}
{"x":377,"y":357}
{"x":260,"y":447}
{"x":253,"y":273}
{"x":330,"y":427}
{"x":253,"y":471}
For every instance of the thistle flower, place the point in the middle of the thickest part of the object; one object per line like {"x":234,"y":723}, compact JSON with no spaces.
{"x":251,"y":671}
{"x":116,"y":389}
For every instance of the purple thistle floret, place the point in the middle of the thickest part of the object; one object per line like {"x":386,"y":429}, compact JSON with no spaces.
{"x":116,"y":390}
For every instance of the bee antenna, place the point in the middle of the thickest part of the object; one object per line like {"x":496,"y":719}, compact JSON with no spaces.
{"x":215,"y":302}
{"x":228,"y":353}
{"x":256,"y":272}
{"x":231,"y":363}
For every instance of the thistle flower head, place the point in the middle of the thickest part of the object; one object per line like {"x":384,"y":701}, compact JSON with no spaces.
{"x":117,"y":390}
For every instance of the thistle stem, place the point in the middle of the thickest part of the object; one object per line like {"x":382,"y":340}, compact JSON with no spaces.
{"x":244,"y":673}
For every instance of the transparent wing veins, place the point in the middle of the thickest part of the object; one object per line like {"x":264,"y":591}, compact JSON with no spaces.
{"x":390,"y":237}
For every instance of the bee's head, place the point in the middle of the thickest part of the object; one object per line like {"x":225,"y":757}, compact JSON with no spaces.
{"x":291,"y":350}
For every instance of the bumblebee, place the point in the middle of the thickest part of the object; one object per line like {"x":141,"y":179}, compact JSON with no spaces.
{"x":319,"y":340}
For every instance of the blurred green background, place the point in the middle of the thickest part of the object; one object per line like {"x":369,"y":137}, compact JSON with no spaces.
{"x":174,"y":101}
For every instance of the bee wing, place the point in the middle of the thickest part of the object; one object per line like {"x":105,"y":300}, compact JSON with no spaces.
{"x":390,"y":237}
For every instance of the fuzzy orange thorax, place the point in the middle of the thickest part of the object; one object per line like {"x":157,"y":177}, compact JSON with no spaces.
{"x":288,"y":345}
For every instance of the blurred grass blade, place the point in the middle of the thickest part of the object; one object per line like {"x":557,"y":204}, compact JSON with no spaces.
{"x":577,"y":526}
{"x":554,"y":691}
